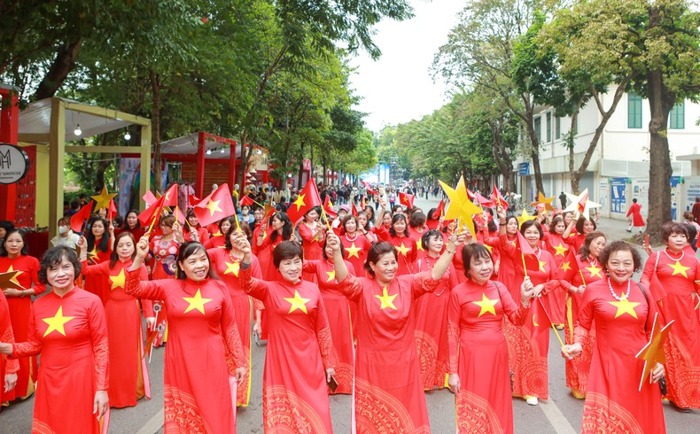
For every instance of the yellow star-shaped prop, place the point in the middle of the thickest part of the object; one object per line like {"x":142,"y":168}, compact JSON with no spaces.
{"x":546,"y":201}
{"x":524,"y":216}
{"x":297,"y":302}
{"x":486,"y":305}
{"x":624,"y":306}
{"x":196,"y":302}
{"x":300,"y":201}
{"x":57,"y":322}
{"x":213,"y":206}
{"x":331,"y":275}
{"x":119,"y":280}
{"x":102,"y":199}
{"x":9,"y":280}
{"x":560,"y":250}
{"x":576,"y":200}
{"x":402,"y":249}
{"x":232,"y":268}
{"x":460,"y":208}
{"x":352,"y":251}
{"x":653,"y":352}
{"x":387,"y":301}
{"x":566,"y":266}
{"x":679,"y":268}
{"x":594,"y":271}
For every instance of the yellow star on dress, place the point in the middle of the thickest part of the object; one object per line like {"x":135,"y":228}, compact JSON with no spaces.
{"x":213,"y":206}
{"x":566,"y":266}
{"x":486,"y":305}
{"x":386,"y":299}
{"x":232,"y":268}
{"x":297,"y":302}
{"x":331,"y":275}
{"x":196,"y":302}
{"x":560,"y":250}
{"x":352,"y":251}
{"x":419,"y":244}
{"x":542,"y":266}
{"x":624,"y":306}
{"x":594,"y":271}
{"x":300,"y":201}
{"x":679,"y":268}
{"x":119,"y":280}
{"x":402,"y":249}
{"x":57,"y":322}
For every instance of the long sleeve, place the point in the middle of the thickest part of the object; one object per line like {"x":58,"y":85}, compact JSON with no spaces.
{"x":32,"y":346}
{"x":37,"y":286}
{"x":100,"y":345}
{"x":649,"y":268}
{"x":454,"y":311}
{"x":231,"y":334}
{"x":101,"y":269}
{"x":422,"y":283}
{"x":6,"y":334}
{"x":323,"y":335}
{"x":135,"y":287}
{"x":517,"y":314}
{"x":310,"y":266}
{"x":351,"y":287}
{"x":507,"y":247}
{"x":255,"y":287}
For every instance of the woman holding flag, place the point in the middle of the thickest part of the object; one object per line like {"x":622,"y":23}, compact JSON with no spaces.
{"x":100,"y":242}
{"x":280,"y":230}
{"x":530,"y":342}
{"x":577,"y":272}
{"x":313,"y":237}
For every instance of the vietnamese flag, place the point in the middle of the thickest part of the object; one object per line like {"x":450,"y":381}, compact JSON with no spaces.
{"x":328,"y":207}
{"x":171,"y":196}
{"x":406,"y":199}
{"x":308,"y":198}
{"x":355,"y":212}
{"x":152,"y":213}
{"x":482,"y":201}
{"x":370,"y":191}
{"x":246,"y":201}
{"x":216,"y":206}
{"x":498,"y":198}
{"x":78,"y":219}
{"x":149,"y":198}
{"x":527,"y":254}
{"x":112,"y":210}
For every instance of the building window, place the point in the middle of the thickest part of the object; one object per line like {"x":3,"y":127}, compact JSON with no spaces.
{"x":676,"y":119}
{"x":557,"y":128}
{"x":549,"y":127}
{"x":634,"y":111}
{"x":538,"y":129}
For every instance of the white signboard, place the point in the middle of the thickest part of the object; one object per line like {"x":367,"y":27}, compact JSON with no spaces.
{"x":14,"y":163}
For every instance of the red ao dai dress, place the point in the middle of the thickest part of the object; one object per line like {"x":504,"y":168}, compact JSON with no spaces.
{"x":430,"y":316}
{"x":613,"y":402}
{"x":6,"y":366}
{"x":93,"y":284}
{"x":163,"y":266}
{"x":338,"y":310}
{"x":299,"y":350}
{"x":388,"y":395}
{"x":20,"y":316}
{"x":578,"y":271}
{"x":529,"y":344}
{"x":559,"y":250}
{"x":199,"y":392}
{"x":506,"y":270}
{"x":70,"y":332}
{"x":479,"y":354}
{"x":679,"y":276}
{"x":406,"y":253}
{"x":311,"y":243}
{"x":128,"y":376}
{"x":228,"y":269}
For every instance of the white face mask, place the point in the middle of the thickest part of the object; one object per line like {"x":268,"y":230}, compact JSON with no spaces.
{"x":62,"y":229}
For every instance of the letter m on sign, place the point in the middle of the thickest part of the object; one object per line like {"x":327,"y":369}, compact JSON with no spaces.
{"x":5,"y":161}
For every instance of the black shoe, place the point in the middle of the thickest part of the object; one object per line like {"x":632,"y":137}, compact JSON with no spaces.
{"x":628,"y":230}
{"x":680,"y":409}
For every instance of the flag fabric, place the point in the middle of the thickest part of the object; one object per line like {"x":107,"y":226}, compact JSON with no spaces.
{"x":354,"y":211}
{"x":482,"y":201}
{"x":581,"y":206}
{"x":498,"y":198}
{"x":328,"y":207}
{"x":171,"y":195}
{"x":246,"y":201}
{"x":406,"y":199}
{"x":370,"y":191}
{"x":149,"y":198}
{"x":79,"y":218}
{"x":470,"y":195}
{"x":433,"y":219}
{"x":192,"y":199}
{"x":112,"y":210}
{"x":529,"y":257}
{"x":308,"y":198}
{"x":179,"y":216}
{"x":152,"y":213}
{"x":217,"y":205}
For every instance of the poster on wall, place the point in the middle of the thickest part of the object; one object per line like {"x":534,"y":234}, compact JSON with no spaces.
{"x":604,"y":188}
{"x":640,"y":191}
{"x":129,"y":169}
{"x":618,"y":201}
{"x":692,"y":191}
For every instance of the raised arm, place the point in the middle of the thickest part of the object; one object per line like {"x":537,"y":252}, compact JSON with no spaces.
{"x":135,"y":286}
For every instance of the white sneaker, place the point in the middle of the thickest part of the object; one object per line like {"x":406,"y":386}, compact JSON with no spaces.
{"x":531,"y":400}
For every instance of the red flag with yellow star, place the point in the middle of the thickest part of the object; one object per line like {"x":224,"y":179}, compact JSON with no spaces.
{"x":328,"y":207}
{"x":218,"y":205}
{"x":406,"y":199}
{"x":79,"y":218}
{"x":246,"y":201}
{"x":354,"y":211}
{"x":498,"y":198}
{"x":308,"y":198}
{"x":370,"y":191}
{"x":154,"y":210}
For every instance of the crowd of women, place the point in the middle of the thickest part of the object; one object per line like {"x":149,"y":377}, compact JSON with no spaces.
{"x":383,"y":304}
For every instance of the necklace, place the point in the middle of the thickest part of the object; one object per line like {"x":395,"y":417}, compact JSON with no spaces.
{"x":353,"y":238}
{"x":672,"y":259}
{"x":615,"y":296}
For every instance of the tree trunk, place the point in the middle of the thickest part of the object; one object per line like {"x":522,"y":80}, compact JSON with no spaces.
{"x":500,"y":155}
{"x":661,"y":101}
{"x":155,"y":128}
{"x":535,"y":146}
{"x":573,"y":174}
{"x":62,"y":65}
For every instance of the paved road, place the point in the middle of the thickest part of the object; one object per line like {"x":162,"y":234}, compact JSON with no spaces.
{"x":561,"y":414}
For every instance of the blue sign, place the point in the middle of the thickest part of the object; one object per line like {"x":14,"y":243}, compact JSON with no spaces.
{"x":618,"y":201}
{"x":524,"y":168}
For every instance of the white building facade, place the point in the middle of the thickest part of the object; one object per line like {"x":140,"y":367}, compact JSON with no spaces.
{"x":619,"y":168}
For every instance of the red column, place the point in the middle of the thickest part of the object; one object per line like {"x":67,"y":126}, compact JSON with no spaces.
{"x":199,"y":182}
{"x":232,"y":164}
{"x":9,"y":126}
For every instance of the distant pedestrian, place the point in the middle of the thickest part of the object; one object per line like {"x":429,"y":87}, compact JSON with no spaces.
{"x":696,"y":209}
{"x":634,"y":214}
{"x":562,"y":199}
